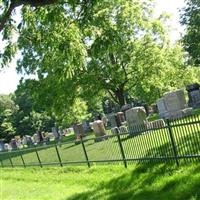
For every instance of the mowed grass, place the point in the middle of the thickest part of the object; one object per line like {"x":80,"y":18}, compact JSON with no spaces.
{"x":148,"y":144}
{"x":138,"y":182}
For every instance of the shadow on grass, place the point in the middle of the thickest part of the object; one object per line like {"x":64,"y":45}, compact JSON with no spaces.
{"x":147,"y":183}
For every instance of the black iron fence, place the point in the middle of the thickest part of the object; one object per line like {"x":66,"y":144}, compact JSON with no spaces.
{"x":171,"y":141}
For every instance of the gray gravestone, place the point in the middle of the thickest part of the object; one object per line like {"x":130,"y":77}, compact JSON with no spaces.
{"x":136,"y":119}
{"x":194,"y":95}
{"x":1,"y":145}
{"x":173,"y":105}
{"x":112,"y":120}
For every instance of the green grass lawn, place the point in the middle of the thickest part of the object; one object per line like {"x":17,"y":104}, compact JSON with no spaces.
{"x":138,"y":182}
{"x":151,"y":144}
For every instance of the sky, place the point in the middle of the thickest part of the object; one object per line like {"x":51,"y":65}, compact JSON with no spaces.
{"x":9,"y":79}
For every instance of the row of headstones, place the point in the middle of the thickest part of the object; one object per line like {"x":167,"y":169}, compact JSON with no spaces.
{"x":27,"y":140}
{"x":173,"y":104}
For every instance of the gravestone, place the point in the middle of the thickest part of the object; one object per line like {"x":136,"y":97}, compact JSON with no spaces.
{"x":162,"y":108}
{"x":99,"y":130}
{"x":120,"y":118}
{"x":116,"y":119}
{"x":136,"y":119}
{"x":112,"y":120}
{"x":126,"y":107}
{"x":160,"y":123}
{"x":35,"y":138}
{"x":1,"y":145}
{"x":78,"y":129}
{"x":173,"y":105}
{"x":194,"y":95}
{"x":29,"y":140}
{"x":105,"y":121}
{"x":56,"y":133}
{"x":123,"y":129}
{"x":7,"y":147}
{"x":13,"y":144}
{"x":115,"y":130}
{"x":86,"y":126}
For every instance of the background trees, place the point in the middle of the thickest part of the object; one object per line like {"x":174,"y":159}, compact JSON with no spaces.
{"x":84,"y":52}
{"x":191,"y":20}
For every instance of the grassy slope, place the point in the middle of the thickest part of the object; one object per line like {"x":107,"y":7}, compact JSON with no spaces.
{"x":140,"y":182}
{"x":151,"y":144}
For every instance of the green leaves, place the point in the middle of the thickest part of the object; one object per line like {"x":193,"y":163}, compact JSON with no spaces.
{"x":191,"y":19}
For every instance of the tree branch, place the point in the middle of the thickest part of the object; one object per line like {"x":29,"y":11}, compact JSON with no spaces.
{"x":5,"y":16}
{"x":15,"y":3}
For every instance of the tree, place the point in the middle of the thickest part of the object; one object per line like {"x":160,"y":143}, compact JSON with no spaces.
{"x":129,"y":51}
{"x":7,"y":108}
{"x":115,"y":52}
{"x":82,"y":9}
{"x":30,"y":117}
{"x":191,"y":39}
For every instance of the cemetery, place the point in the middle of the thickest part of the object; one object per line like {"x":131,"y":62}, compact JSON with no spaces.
{"x":122,"y":137}
{"x":99,"y":100}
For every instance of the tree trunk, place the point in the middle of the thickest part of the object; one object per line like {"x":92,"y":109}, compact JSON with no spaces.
{"x":119,"y":93}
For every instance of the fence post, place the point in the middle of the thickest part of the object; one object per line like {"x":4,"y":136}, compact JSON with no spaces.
{"x":23,"y":160}
{"x":84,"y":149}
{"x":38,"y":157}
{"x":172,"y":141}
{"x":10,"y":159}
{"x":121,"y":148}
{"x":59,"y":158}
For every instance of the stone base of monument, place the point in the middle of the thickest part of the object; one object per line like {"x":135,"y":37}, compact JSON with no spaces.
{"x":100,"y":139}
{"x":115,"y":130}
{"x":78,"y":139}
{"x":179,"y":114}
{"x":160,"y":123}
{"x":136,"y":129}
{"x":123,"y":129}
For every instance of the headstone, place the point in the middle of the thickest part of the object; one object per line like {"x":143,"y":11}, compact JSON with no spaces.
{"x":13,"y":144}
{"x":35,"y":138}
{"x":175,"y":101}
{"x":29,"y":140}
{"x":55,"y":132}
{"x":162,"y":108}
{"x":115,"y":130}
{"x":40,"y":136}
{"x":86,"y":126}
{"x":126,"y":107}
{"x":6,"y":146}
{"x":123,"y":129}
{"x":1,"y":145}
{"x":105,"y":121}
{"x":194,"y":95}
{"x":24,"y":141}
{"x":112,"y":120}
{"x":78,"y":129}
{"x":173,"y":105}
{"x":160,"y":123}
{"x":136,"y":119}
{"x":51,"y":136}
{"x":99,"y":130}
{"x":120,"y":118}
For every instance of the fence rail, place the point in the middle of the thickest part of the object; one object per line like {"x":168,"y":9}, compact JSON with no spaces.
{"x":176,"y":141}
